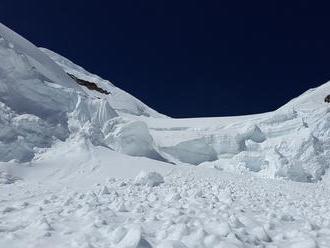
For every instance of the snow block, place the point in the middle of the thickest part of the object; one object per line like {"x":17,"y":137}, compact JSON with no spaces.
{"x":149,"y":179}
{"x":192,"y":151}
{"x":132,"y":138}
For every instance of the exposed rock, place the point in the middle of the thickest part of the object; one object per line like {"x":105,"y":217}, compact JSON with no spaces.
{"x":89,"y":85}
{"x":327,"y":99}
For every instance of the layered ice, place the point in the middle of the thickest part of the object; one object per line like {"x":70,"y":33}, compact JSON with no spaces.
{"x":193,"y":151}
{"x":132,"y":138}
{"x":41,"y":105}
{"x":87,"y":169}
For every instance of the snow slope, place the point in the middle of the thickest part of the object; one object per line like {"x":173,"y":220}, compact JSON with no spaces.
{"x":41,"y":105}
{"x":35,"y":95}
{"x":262,"y":143}
{"x":81,"y":168}
{"x":194,"y":207}
{"x":119,"y":99}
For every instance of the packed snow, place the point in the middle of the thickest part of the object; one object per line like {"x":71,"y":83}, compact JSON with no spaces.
{"x":149,"y":178}
{"x":80,"y":168}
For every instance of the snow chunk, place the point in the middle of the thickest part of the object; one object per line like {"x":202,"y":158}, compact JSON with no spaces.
{"x":192,"y":151}
{"x":133,"y":239}
{"x":118,"y":234}
{"x":132,"y":138}
{"x":250,"y":160}
{"x":105,"y":191}
{"x":149,"y":179}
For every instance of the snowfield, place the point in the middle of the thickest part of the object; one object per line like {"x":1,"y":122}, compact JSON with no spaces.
{"x":194,"y":207}
{"x":81,"y":168}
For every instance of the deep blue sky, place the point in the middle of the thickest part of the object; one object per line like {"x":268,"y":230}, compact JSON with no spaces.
{"x":188,"y":58}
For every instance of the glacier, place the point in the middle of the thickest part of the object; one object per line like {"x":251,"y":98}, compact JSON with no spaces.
{"x":96,"y":167}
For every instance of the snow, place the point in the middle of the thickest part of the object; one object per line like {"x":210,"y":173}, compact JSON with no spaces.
{"x":132,"y":138}
{"x":149,"y":178}
{"x":120,"y":100}
{"x":171,"y":244}
{"x":192,"y":151}
{"x":25,"y":50}
{"x":84,"y":169}
{"x":215,"y":208}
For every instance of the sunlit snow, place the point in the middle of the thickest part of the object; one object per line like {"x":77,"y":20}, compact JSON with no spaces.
{"x":84,"y":169}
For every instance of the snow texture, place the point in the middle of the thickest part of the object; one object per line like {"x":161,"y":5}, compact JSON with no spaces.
{"x":79,"y":168}
{"x":149,"y":178}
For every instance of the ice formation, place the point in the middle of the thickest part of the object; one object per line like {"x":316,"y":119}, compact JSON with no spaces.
{"x":41,"y":105}
{"x":71,"y":144}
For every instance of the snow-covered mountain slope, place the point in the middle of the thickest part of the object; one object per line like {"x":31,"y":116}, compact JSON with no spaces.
{"x":71,"y":144}
{"x":120,"y":100}
{"x":262,"y":143}
{"x":47,"y":99}
{"x":292,"y":142}
{"x":41,"y":104}
{"x":35,"y":97}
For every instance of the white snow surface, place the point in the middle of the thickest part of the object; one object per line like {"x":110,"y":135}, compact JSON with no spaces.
{"x":119,"y":99}
{"x":80,"y":168}
{"x":149,"y":178}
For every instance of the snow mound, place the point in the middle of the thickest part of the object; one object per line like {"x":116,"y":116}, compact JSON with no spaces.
{"x":149,"y":179}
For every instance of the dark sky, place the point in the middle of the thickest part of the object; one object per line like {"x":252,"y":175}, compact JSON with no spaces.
{"x":188,"y":58}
